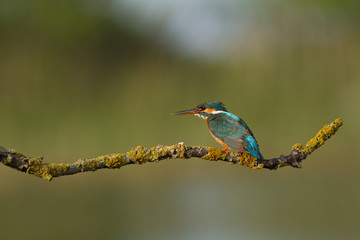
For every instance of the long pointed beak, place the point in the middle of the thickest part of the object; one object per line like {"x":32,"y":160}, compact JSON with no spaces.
{"x":186,"y":112}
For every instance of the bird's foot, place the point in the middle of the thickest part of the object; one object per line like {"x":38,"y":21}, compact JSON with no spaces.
{"x":225,"y":150}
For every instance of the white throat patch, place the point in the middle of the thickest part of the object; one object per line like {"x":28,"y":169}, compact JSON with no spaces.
{"x":200,"y":116}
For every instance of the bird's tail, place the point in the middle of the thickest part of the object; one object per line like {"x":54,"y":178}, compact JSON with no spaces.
{"x":252,"y":146}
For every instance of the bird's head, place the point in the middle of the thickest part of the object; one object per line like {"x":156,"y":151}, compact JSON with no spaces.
{"x":205,"y":110}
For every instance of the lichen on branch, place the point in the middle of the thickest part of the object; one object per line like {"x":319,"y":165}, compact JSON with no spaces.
{"x":140,"y":155}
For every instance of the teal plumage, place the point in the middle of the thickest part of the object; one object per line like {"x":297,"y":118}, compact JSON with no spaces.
{"x":227,"y":128}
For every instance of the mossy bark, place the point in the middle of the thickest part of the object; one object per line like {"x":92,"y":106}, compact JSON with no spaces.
{"x":140,"y":155}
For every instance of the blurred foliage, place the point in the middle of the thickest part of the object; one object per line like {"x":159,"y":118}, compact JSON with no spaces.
{"x":81,"y":79}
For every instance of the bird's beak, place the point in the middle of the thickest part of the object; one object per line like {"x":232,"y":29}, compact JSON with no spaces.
{"x":186,"y":112}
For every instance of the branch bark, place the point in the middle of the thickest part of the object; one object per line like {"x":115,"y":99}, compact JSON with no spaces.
{"x":140,"y":155}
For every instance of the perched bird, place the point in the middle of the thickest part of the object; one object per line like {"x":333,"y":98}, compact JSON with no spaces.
{"x":228,"y":129}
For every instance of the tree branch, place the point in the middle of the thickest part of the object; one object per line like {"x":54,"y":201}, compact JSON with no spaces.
{"x":140,"y":155}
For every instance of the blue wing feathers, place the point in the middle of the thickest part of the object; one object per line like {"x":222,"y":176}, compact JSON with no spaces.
{"x":252,"y":146}
{"x":234,"y":132}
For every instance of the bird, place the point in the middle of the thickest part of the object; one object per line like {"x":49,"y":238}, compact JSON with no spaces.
{"x":226,"y":128}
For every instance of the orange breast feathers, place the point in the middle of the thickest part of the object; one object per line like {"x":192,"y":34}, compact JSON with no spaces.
{"x":218,"y":140}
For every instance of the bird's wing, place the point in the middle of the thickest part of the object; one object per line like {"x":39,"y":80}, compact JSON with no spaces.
{"x":245,"y":126}
{"x":229,"y":131}
{"x":236,"y":134}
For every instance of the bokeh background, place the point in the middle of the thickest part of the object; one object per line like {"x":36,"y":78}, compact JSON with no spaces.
{"x":85,"y":78}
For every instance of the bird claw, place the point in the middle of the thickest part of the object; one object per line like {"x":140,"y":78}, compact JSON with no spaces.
{"x":225,"y":150}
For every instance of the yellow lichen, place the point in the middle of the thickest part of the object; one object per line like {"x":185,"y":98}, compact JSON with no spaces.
{"x":138,"y":154}
{"x":114,"y":160}
{"x":322,"y":136}
{"x":38,"y":168}
{"x":8,"y":160}
{"x":45,"y":171}
{"x":297,"y":146}
{"x":158,"y":152}
{"x":56,"y":169}
{"x":91,"y":164}
{"x":214,"y":154}
{"x":34,"y":166}
{"x":282,"y":164}
{"x":259,"y":166}
{"x":247,"y":160}
{"x":180,"y":149}
{"x":19,"y":155}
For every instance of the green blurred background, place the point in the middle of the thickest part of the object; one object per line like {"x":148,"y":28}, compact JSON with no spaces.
{"x":86,"y":78}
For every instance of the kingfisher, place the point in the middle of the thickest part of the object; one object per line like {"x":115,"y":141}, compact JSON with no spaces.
{"x":226,"y":128}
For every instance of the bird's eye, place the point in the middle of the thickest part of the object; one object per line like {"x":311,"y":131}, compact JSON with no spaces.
{"x":202,"y":108}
